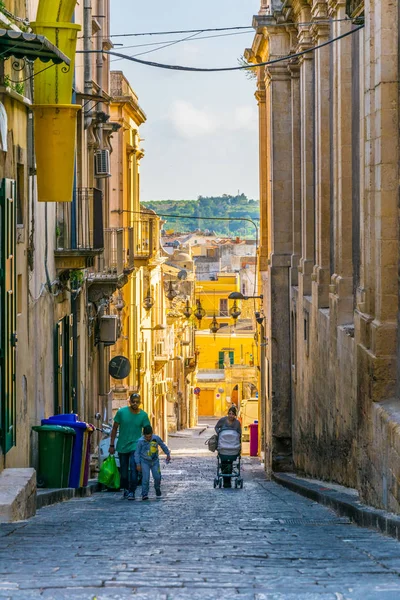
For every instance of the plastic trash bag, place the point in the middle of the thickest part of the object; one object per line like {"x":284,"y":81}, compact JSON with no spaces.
{"x":109,"y":474}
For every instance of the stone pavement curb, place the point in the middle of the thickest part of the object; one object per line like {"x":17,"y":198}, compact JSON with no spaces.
{"x":344,"y":504}
{"x":52,"y":496}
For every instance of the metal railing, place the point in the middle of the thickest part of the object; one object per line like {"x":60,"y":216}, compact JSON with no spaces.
{"x":79,"y":224}
{"x":117,"y":257}
{"x":144,"y":237}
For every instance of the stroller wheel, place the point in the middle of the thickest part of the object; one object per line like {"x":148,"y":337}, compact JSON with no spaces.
{"x":215,"y":482}
{"x":220,"y":483}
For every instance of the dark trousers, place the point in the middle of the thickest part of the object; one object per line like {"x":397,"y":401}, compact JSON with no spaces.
{"x":226,"y":469}
{"x":127,"y":466}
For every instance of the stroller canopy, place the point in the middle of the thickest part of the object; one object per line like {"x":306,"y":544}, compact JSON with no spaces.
{"x":229,"y":442}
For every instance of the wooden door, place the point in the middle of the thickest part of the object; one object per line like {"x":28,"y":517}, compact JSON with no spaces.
{"x":206,"y":403}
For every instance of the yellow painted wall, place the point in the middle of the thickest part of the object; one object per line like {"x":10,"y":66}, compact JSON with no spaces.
{"x":211,"y":292}
{"x":243,"y":345}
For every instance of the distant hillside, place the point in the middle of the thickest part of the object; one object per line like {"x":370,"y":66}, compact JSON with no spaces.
{"x":224,"y":206}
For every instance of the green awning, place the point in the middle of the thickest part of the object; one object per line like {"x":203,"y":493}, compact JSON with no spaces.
{"x":30,"y":46}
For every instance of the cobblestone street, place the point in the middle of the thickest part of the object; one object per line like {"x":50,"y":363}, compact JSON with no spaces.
{"x":262,"y":542}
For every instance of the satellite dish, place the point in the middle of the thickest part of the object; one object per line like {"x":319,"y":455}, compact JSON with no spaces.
{"x":182,"y":275}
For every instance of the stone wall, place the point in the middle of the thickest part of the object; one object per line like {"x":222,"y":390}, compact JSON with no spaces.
{"x":329,"y":256}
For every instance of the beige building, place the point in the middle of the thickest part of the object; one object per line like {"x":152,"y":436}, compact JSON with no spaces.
{"x":329,"y":243}
{"x":80,"y":264}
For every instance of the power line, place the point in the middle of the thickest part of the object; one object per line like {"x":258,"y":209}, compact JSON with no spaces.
{"x":137,"y":34}
{"x":204,"y":37}
{"x":189,"y":37}
{"x":218,"y":70}
{"x":179,"y":31}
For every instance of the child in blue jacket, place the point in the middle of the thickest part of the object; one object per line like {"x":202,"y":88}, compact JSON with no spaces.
{"x":146,"y":458}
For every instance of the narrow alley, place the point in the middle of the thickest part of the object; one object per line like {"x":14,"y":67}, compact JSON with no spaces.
{"x":262,"y":542}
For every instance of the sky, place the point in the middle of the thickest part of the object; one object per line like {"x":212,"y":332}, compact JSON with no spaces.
{"x":201,"y":134}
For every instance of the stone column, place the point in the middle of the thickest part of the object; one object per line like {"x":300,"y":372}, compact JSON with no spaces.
{"x":307,"y":260}
{"x":342,"y":279}
{"x":294,"y":70}
{"x":263,"y":242}
{"x":279,"y":200}
{"x":321,"y":274}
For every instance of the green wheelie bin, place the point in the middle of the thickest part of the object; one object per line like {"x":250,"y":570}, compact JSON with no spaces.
{"x":55,"y":451}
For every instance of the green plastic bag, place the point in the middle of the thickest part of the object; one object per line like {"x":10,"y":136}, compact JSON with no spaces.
{"x":109,"y":474}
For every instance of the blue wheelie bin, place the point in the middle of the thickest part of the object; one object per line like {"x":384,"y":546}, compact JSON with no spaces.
{"x":79,"y":448}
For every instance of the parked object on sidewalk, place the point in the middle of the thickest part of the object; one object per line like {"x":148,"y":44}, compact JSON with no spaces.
{"x":212,"y":443}
{"x":109,"y":473}
{"x":228,"y":459}
{"x":55,"y":452}
{"x":80,"y":451}
{"x":253,"y":438}
{"x":248,"y":415}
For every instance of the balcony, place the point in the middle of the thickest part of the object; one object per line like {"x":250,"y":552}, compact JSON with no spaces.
{"x":112,"y":267}
{"x":79,"y":230}
{"x":354,"y":8}
{"x":145,"y":241}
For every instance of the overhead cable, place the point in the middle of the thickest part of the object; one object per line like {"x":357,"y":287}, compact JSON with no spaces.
{"x":221,"y":69}
{"x":203,"y":37}
{"x":218,"y":28}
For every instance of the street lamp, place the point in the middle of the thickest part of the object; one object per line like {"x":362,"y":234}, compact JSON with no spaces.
{"x":148,"y":302}
{"x":235,"y":312}
{"x":171,"y":293}
{"x":214,"y":326}
{"x":187,"y":311}
{"x":240,"y":296}
{"x":199,"y":313}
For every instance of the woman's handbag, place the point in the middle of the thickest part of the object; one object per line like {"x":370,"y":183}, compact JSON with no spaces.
{"x":212,"y":443}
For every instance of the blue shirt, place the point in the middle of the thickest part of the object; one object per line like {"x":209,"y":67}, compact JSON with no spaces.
{"x":148,"y":451}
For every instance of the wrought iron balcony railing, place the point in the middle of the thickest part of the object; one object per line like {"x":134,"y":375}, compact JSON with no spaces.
{"x":79,"y":229}
{"x":117,"y":258}
{"x":144,"y":238}
{"x":354,"y":8}
{"x":79,"y":225}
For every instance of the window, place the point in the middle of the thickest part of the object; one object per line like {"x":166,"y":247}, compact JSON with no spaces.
{"x":223,"y":307}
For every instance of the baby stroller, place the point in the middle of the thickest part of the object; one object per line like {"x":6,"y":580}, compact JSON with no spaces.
{"x":228,"y":459}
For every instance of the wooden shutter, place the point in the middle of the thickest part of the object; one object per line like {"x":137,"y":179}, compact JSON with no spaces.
{"x":7,"y":314}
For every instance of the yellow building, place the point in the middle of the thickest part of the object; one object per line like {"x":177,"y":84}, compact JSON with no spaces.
{"x":212,"y":296}
{"x":135,"y":233}
{"x":227,"y":372}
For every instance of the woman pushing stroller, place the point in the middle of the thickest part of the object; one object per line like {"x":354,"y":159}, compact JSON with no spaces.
{"x":229,"y":433}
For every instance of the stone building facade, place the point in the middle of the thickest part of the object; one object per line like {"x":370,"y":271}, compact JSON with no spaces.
{"x":329,"y":168}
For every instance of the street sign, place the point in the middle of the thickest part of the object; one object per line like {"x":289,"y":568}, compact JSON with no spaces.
{"x":119,"y":367}
{"x":196,"y":391}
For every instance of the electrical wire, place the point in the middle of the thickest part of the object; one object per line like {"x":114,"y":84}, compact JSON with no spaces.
{"x":190,"y":37}
{"x":138,"y":34}
{"x":223,"y":69}
{"x":204,"y":37}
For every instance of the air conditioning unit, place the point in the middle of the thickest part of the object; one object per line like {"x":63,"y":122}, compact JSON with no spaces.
{"x":102,"y":163}
{"x":108,"y":329}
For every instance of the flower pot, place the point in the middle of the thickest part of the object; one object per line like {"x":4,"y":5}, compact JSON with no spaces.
{"x":54,"y":84}
{"x":55,"y":10}
{"x":55,"y":143}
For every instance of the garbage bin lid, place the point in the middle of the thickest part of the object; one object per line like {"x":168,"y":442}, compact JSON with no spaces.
{"x":67,"y":420}
{"x":59,"y":428}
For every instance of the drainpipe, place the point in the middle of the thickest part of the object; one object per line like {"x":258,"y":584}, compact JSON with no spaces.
{"x":87,"y":34}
